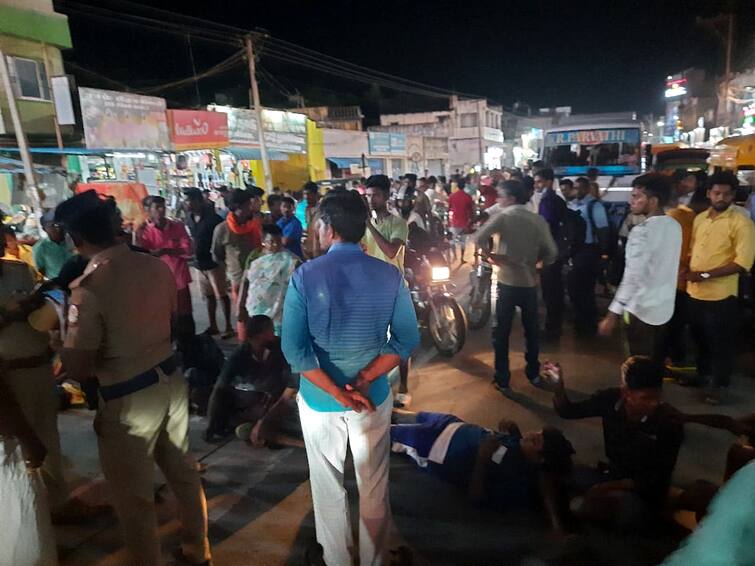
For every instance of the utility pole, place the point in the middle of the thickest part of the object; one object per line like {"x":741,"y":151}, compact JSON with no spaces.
{"x":258,"y":111}
{"x":23,"y":146}
{"x":727,"y":78}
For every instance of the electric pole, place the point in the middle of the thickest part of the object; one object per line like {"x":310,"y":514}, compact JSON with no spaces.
{"x":727,"y":79}
{"x":23,"y":146}
{"x":258,"y":111}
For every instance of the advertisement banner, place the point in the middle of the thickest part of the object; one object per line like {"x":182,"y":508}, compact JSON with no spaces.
{"x":128,"y":197}
{"x":284,"y":131}
{"x":384,"y":142}
{"x":198,"y":129}
{"x":121,"y":120}
{"x":380,"y":142}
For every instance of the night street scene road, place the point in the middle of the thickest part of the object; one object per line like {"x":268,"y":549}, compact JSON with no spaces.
{"x":356,"y":283}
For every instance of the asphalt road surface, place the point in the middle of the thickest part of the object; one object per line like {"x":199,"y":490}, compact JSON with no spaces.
{"x":260,"y":506}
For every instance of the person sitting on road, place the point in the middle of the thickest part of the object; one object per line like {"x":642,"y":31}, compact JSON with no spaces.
{"x":252,"y":380}
{"x":641,"y":438}
{"x":201,"y":361}
{"x":503,"y":470}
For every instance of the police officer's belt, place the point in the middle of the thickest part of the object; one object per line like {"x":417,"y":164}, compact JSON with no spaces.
{"x":26,"y":363}
{"x":139,"y":382}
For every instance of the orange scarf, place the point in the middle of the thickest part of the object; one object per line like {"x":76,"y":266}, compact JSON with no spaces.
{"x":248,"y":227}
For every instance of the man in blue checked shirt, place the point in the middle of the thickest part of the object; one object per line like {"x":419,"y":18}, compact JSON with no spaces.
{"x":348,"y":319}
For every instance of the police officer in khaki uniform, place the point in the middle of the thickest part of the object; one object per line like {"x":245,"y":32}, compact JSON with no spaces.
{"x":25,"y":358}
{"x":119,"y":331}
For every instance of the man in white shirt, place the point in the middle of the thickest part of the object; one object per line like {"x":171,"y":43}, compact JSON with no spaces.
{"x":645,"y":298}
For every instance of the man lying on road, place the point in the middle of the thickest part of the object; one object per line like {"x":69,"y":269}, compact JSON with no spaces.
{"x":502,"y":470}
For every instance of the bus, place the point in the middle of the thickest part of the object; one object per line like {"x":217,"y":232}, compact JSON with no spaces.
{"x":612,"y":148}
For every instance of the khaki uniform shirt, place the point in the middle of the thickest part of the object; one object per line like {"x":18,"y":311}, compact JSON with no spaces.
{"x":18,"y":339}
{"x":121,"y":307}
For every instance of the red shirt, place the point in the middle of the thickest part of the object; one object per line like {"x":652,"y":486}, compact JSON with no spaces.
{"x":461,"y":207}
{"x":175,"y":237}
{"x":489,"y":195}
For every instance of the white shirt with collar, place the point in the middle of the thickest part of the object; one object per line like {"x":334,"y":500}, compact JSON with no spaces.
{"x":648,"y":287}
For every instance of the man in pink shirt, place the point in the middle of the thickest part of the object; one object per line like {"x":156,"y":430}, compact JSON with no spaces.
{"x":168,"y":240}
{"x":461,"y":214}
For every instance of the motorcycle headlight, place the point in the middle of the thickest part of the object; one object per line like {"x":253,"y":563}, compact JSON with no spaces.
{"x":441,"y":273}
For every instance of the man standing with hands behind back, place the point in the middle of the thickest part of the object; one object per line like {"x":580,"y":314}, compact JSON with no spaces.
{"x":338,"y":313}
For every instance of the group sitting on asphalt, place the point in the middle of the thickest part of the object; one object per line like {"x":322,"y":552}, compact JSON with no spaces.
{"x":315,"y":294}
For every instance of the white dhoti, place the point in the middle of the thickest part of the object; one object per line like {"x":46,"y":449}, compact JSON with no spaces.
{"x":327,"y":436}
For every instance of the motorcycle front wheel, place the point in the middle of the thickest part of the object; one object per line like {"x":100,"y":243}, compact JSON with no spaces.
{"x":447,"y":325}
{"x":479,"y":305}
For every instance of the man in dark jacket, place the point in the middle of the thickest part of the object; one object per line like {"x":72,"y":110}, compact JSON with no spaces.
{"x":201,"y":221}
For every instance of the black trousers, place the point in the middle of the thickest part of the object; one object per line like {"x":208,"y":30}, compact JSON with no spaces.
{"x":581,"y":285}
{"x":552,"y":284}
{"x":676,"y":345}
{"x":643,"y":339}
{"x":508,"y":299}
{"x":714,"y":328}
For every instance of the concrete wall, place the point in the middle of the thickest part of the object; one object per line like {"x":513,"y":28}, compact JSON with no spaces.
{"x":345,"y":143}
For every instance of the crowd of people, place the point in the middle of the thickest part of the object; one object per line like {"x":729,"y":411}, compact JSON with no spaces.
{"x":315,"y":293}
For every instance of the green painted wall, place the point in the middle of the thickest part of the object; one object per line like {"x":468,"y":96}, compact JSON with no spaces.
{"x":28,"y":24}
{"x":36,"y":115}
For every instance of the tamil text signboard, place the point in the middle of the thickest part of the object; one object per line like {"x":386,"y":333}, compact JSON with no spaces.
{"x":121,"y":120}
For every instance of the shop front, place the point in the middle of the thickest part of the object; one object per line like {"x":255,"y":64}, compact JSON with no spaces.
{"x":285,"y":140}
{"x":127,"y":135}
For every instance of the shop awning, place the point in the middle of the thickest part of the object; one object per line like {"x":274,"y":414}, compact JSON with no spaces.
{"x":251,"y":153}
{"x":345,"y":162}
{"x":8,"y":165}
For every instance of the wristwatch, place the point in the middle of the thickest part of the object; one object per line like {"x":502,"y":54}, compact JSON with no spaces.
{"x":705,"y":275}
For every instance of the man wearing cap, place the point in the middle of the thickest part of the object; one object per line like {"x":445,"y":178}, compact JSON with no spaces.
{"x":641,"y":437}
{"x":52,"y":252}
{"x":119,"y":330}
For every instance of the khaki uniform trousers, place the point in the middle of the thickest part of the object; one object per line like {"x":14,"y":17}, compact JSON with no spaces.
{"x":135,"y":432}
{"x":34,"y":389}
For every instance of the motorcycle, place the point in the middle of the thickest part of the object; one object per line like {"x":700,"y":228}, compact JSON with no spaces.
{"x":428,"y":275}
{"x":480,"y":303}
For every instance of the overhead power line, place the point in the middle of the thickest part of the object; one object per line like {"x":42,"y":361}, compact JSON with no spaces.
{"x":271,"y":47}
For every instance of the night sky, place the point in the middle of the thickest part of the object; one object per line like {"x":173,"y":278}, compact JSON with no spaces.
{"x":593,"y":56}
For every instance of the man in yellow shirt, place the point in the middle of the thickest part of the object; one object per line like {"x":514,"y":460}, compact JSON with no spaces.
{"x":722,"y":247}
{"x":386,"y":233}
{"x":385,"y":239}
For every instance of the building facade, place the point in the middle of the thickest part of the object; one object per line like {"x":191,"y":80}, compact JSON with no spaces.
{"x":466,"y":136}
{"x":32,"y":35}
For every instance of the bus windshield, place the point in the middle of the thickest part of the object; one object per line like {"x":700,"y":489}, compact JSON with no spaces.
{"x":613,"y":151}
